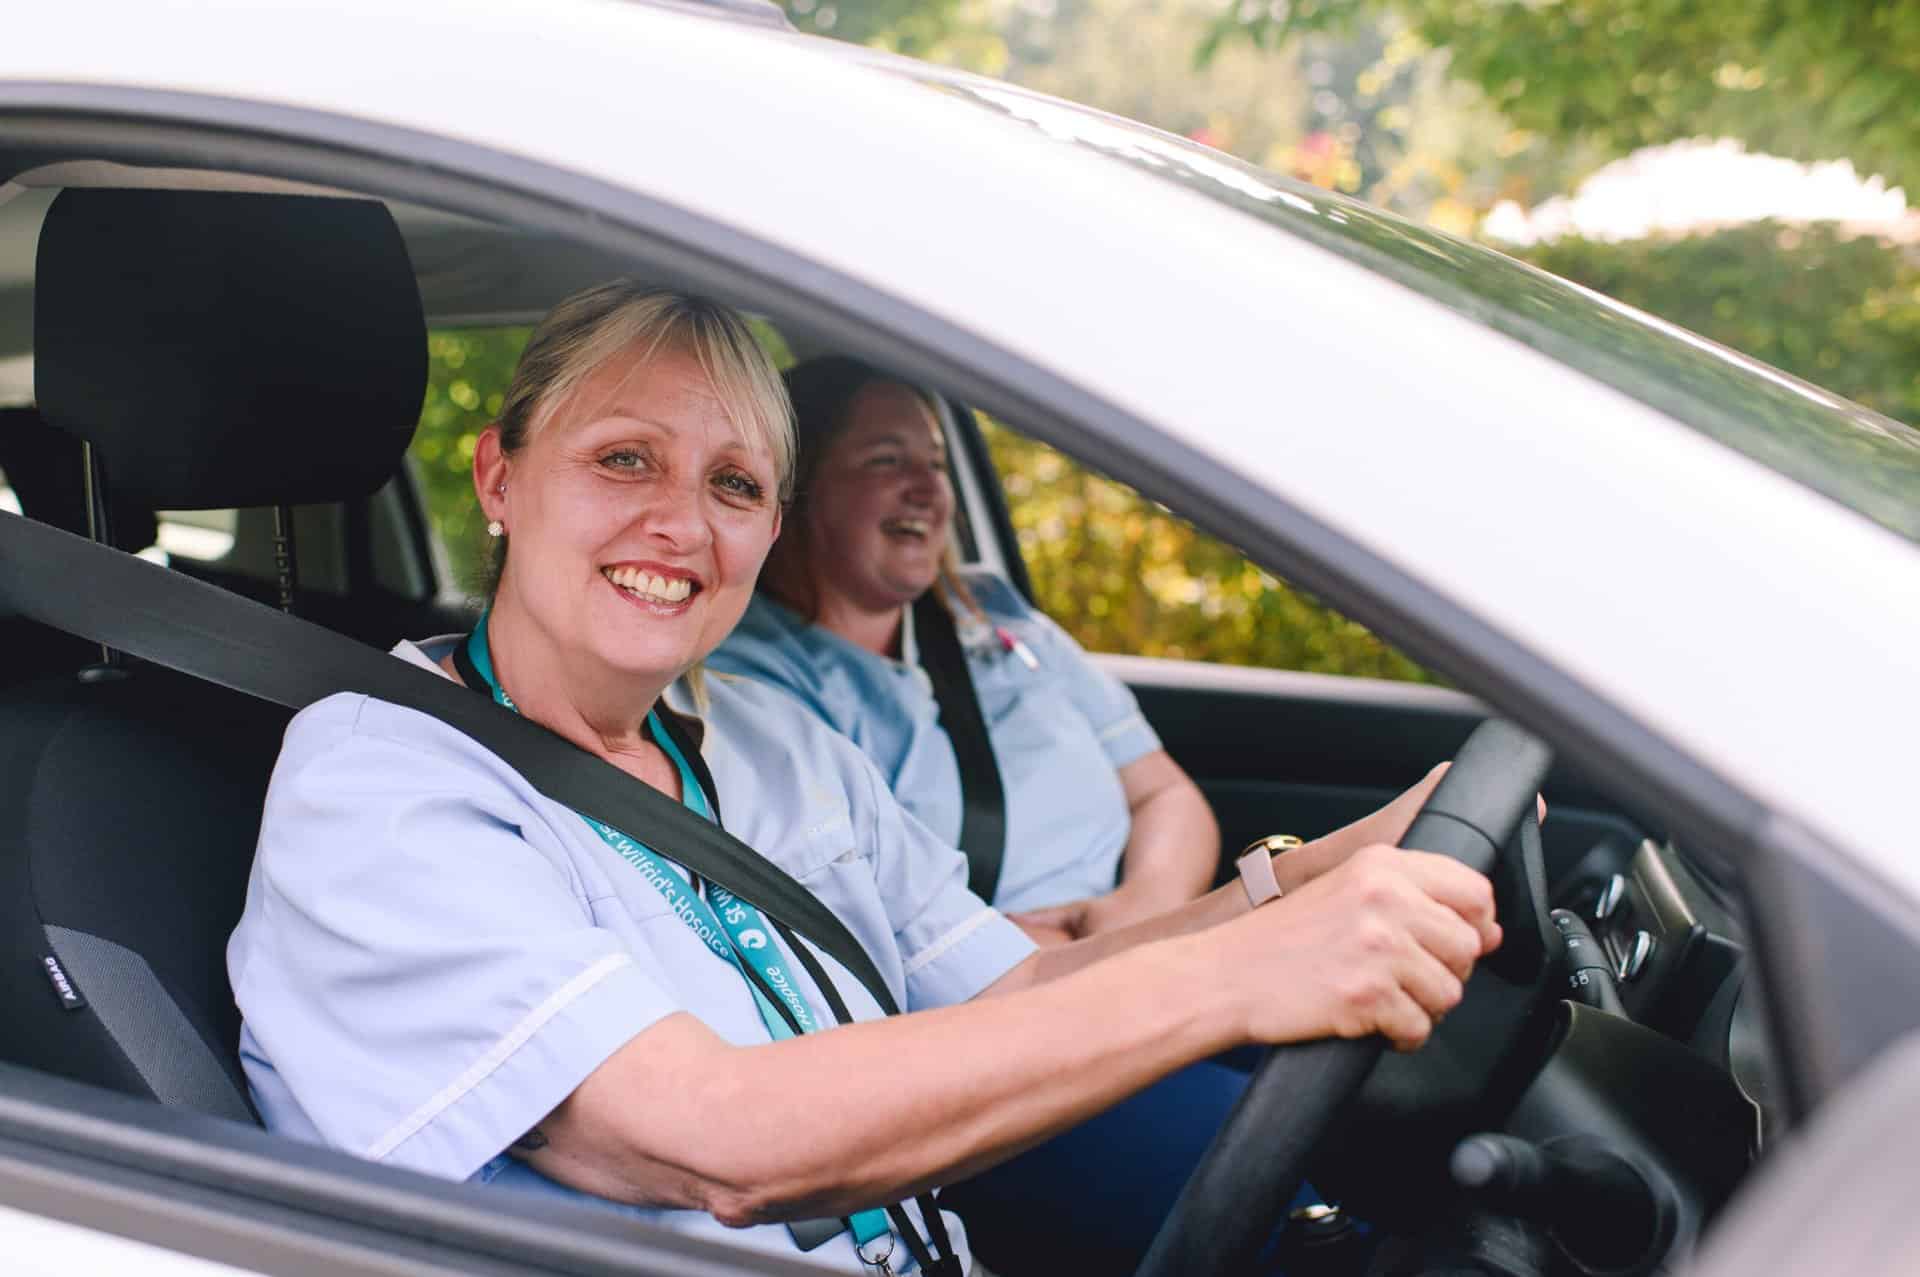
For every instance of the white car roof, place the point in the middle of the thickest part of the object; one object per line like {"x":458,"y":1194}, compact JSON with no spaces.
{"x":1759,"y":626}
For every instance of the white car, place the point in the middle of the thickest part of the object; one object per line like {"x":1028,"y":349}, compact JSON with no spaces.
{"x":1696,"y":578}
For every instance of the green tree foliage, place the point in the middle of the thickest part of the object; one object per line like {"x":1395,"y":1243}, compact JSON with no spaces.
{"x":956,"y":32}
{"x":1808,"y":79}
{"x":1841,"y":311}
{"x":1122,"y":574}
{"x":467,"y":375}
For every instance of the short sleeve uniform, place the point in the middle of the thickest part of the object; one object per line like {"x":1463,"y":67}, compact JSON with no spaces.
{"x":1060,"y":730}
{"x":433,"y":955}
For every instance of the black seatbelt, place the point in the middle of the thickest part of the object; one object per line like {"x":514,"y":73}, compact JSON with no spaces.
{"x":165,"y":617}
{"x":983,"y":800}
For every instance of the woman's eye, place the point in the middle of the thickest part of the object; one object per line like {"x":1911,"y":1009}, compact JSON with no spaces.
{"x":741,"y":485}
{"x":623,"y":459}
{"x":883,"y":461}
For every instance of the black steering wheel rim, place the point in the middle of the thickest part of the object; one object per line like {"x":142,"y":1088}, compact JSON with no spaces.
{"x":1258,"y":1158}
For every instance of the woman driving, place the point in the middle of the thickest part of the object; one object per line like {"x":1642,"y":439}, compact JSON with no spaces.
{"x":442,"y":969}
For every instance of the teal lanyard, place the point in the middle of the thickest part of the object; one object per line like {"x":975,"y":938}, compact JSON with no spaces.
{"x":729,"y":926}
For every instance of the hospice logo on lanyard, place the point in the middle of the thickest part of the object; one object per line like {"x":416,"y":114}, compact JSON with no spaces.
{"x":732,"y":929}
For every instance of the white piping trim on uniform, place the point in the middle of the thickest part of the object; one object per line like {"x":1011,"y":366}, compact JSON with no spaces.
{"x":496,"y":1055}
{"x":946,"y":942}
{"x":1121,"y":728}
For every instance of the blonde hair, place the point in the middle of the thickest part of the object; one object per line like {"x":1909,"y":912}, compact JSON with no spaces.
{"x":583,"y":332}
{"x":580,"y":334}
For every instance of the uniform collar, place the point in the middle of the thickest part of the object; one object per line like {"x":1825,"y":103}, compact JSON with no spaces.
{"x":680,"y":699}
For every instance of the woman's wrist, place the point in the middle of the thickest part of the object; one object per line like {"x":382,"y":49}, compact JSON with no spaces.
{"x":1204,"y":978}
{"x":1297,"y":866}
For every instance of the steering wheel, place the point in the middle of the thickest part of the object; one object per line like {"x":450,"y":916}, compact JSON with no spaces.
{"x":1257,"y":1160}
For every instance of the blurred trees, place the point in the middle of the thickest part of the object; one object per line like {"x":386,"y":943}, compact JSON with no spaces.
{"x":467,"y":374}
{"x":1807,"y":79}
{"x":1122,"y":574}
{"x":1840,"y":310}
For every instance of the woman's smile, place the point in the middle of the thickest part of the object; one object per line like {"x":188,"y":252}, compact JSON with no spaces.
{"x":654,"y":585}
{"x":909,"y":528}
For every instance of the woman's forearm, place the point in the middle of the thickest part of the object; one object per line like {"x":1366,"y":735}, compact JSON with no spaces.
{"x":1173,"y":850}
{"x":874,"y":1112}
{"x":1223,"y":904}
{"x":1171,"y":853}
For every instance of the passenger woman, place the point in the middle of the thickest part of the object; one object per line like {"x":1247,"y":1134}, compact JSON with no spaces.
{"x":441,"y":969}
{"x":1101,"y":827}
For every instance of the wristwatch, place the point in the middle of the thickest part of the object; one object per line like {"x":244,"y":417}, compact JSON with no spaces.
{"x":1256,"y":867}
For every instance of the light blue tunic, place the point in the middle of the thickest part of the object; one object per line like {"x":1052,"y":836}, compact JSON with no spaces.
{"x":1060,"y":732}
{"x":433,"y":954}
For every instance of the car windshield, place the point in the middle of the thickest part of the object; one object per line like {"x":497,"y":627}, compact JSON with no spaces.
{"x":1851,"y":454}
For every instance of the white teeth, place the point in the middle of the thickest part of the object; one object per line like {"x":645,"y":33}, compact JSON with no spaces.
{"x":647,"y":585}
{"x":916,"y":526}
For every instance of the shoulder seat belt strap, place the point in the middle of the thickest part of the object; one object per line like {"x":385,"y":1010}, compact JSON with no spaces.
{"x":171,"y":619}
{"x":983,"y":799}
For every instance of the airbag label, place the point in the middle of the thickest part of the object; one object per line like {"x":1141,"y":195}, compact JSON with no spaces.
{"x":63,"y":987}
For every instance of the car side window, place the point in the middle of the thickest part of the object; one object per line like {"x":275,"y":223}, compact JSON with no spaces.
{"x":468,"y":370}
{"x":1122,"y":574}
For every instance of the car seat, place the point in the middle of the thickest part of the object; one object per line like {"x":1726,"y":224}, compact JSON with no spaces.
{"x":218,"y":350}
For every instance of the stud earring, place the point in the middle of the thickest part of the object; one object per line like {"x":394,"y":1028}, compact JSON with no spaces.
{"x":495,"y":528}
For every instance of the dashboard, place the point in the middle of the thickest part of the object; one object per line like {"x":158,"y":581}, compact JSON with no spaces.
{"x":1666,"y":938}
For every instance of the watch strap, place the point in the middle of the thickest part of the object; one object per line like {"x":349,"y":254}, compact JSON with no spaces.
{"x":1256,"y":868}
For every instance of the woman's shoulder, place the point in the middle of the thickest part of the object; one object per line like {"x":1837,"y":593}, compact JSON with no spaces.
{"x":759,"y":720}
{"x":738,"y":701}
{"x":772,"y":644}
{"x":348,"y":725}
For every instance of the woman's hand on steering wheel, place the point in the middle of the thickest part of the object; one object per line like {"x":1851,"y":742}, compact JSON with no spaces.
{"x":1381,"y":944}
{"x":1388,"y":825}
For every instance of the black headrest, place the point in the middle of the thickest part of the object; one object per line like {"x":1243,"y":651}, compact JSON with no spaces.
{"x":47,"y":472}
{"x":226,"y":349}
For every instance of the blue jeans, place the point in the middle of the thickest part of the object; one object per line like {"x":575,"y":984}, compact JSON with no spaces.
{"x":1090,"y":1199}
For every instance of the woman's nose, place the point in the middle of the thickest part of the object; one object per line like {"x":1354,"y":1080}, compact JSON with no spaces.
{"x":676,"y":513}
{"x":926,"y":481}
